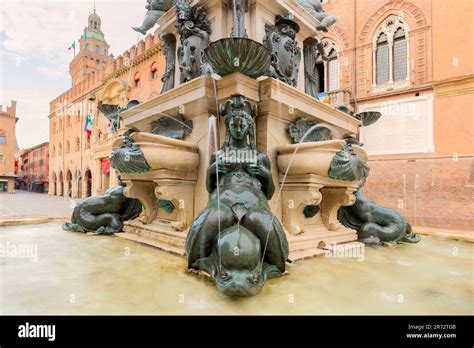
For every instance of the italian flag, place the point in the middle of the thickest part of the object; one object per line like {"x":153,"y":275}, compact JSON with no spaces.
{"x":88,"y":125}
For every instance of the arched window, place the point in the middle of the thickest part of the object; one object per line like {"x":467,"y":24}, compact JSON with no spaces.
{"x":3,"y":138}
{"x":54,"y":151}
{"x":68,"y":121}
{"x":154,"y":70}
{"x":97,"y":49}
{"x":68,"y":147}
{"x":78,"y":144}
{"x":60,"y":149}
{"x":137,"y":79}
{"x":87,"y":46}
{"x":333,"y":71}
{"x":78,"y":118}
{"x":325,"y":74}
{"x":391,"y":53}
{"x":382,"y":60}
{"x":399,"y":55}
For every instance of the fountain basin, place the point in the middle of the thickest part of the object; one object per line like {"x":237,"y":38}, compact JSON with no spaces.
{"x":313,"y":157}
{"x":166,"y":153}
{"x":238,"y":54}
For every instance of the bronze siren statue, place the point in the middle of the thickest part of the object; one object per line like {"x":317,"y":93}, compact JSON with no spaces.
{"x":236,"y":238}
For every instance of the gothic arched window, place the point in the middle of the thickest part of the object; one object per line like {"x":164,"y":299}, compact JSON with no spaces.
{"x":382,"y":60}
{"x":399,"y":55}
{"x":78,"y":144}
{"x":390,"y":57}
{"x":333,"y":71}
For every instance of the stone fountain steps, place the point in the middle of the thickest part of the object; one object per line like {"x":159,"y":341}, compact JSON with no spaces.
{"x":318,"y":243}
{"x":152,"y":242}
{"x":155,"y":235}
{"x":313,"y":252}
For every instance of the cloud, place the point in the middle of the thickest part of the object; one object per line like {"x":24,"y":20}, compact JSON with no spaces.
{"x":34,"y":60}
{"x":47,"y":28}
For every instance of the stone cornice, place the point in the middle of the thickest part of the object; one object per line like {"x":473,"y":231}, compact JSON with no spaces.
{"x":458,"y":85}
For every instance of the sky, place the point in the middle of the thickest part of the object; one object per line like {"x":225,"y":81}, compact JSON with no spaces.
{"x":34,"y":57}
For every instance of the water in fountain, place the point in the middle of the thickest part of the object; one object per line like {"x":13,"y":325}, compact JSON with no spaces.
{"x":212,"y":130}
{"x":283,"y":184}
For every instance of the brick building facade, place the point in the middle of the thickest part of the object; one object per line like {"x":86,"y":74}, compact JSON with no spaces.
{"x":412,"y":61}
{"x":33,"y":173}
{"x":8,"y":147}
{"x":78,"y":161}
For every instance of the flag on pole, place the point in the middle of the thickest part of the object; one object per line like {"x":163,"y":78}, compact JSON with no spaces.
{"x":323,"y":97}
{"x":73,"y":47}
{"x":88,"y":125}
{"x":85,"y":37}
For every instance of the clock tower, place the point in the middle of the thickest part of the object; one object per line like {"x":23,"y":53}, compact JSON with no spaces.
{"x":93,"y":51}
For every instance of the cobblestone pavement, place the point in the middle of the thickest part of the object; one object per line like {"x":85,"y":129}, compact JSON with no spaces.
{"x":25,"y":204}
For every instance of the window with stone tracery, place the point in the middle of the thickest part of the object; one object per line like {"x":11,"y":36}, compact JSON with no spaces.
{"x":390,"y":47}
{"x":328,"y":71}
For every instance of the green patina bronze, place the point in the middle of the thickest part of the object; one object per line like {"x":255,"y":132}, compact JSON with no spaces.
{"x":280,"y":40}
{"x":169,"y":50}
{"x":301,"y":127}
{"x":166,"y":205}
{"x":346,"y":165}
{"x":104,"y":214}
{"x":238,"y":54}
{"x":376,"y":224}
{"x":236,"y":238}
{"x":129,"y":158}
{"x":194,"y":31}
{"x":155,"y":10}
{"x":311,"y":210}
{"x":315,"y":9}
{"x":175,"y":127}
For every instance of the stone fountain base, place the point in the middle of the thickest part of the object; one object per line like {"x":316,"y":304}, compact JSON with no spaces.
{"x":279,"y":105}
{"x":156,"y":235}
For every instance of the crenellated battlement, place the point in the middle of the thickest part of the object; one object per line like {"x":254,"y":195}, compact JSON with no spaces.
{"x":114,"y":67}
{"x":10,"y":111}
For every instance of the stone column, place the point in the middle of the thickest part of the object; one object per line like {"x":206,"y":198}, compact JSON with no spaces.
{"x":97,"y":178}
{"x":74,"y":188}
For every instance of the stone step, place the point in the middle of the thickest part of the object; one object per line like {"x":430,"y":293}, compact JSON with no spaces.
{"x":309,"y":236}
{"x":152,"y":242}
{"x":350,"y":245}
{"x":314,"y":242}
{"x":307,"y":253}
{"x":171,"y":238}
